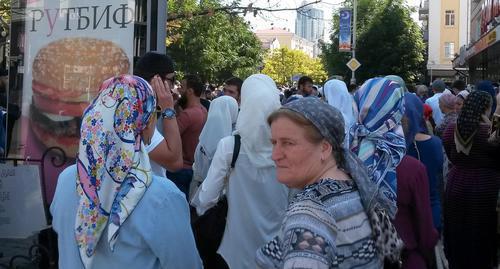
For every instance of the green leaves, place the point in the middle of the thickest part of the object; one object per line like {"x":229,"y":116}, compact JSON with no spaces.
{"x":388,"y":42}
{"x":282,"y":64}
{"x":215,"y":46}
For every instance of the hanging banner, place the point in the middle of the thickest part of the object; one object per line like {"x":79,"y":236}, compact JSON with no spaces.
{"x":345,"y":30}
{"x":69,"y":48}
{"x":21,"y":202}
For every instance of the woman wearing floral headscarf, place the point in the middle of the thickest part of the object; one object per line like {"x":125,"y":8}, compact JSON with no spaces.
{"x":120,"y":215}
{"x":470,"y":219}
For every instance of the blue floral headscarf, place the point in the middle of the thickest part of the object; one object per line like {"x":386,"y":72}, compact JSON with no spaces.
{"x":377,"y":137}
{"x":113,"y":167}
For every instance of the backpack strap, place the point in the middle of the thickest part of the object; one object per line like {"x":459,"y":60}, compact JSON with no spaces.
{"x":236,"y":150}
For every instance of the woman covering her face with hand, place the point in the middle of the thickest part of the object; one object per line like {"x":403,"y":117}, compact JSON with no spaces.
{"x":109,"y":210}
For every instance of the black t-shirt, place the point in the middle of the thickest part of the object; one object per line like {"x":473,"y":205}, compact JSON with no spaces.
{"x":205,"y":103}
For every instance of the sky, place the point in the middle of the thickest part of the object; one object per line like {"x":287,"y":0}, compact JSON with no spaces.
{"x":286,"y":19}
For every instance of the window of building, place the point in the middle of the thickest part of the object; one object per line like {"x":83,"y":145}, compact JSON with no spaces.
{"x":449,"y":50}
{"x":449,"y":18}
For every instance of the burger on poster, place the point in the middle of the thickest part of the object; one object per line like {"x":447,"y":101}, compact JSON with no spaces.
{"x":67,"y":74}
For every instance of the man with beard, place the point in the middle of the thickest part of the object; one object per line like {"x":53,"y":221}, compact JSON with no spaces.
{"x":191,"y":119}
{"x":305,"y":86}
{"x":232,"y":87}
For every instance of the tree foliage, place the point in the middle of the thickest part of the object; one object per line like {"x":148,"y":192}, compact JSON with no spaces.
{"x":215,"y":46}
{"x":281,"y":64}
{"x":388,"y":42}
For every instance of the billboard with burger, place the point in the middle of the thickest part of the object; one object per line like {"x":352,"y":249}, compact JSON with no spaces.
{"x":70,"y":47}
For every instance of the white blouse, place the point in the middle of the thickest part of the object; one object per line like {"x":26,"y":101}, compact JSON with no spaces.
{"x":257,"y":204}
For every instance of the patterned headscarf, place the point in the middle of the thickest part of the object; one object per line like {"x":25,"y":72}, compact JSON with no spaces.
{"x":414,"y":112}
{"x":398,"y":80}
{"x":330,"y":123}
{"x":113,"y":167}
{"x":377,"y":137}
{"x":487,"y":86}
{"x":471,"y":115}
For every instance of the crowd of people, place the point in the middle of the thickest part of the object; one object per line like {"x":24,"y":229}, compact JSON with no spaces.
{"x":178,"y":175}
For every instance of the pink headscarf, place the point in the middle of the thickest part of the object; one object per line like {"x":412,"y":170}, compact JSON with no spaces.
{"x":448,"y":100}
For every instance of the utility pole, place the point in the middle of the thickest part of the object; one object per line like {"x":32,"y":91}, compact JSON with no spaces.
{"x":355,"y":4}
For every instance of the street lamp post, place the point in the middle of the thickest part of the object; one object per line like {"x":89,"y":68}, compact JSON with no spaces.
{"x":353,"y":78}
{"x":431,"y":65}
{"x":431,"y":74}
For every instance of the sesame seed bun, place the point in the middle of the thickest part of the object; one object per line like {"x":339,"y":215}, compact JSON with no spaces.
{"x":67,"y":74}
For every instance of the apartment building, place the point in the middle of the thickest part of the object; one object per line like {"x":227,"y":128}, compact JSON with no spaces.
{"x":445,"y":24}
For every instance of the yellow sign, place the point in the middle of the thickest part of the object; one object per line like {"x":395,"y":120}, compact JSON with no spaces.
{"x":491,"y":38}
{"x":353,"y":64}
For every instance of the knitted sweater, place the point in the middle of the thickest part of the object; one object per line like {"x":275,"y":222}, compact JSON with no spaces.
{"x":325,"y":227}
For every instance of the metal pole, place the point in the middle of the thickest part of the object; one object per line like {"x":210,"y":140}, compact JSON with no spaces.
{"x":355,"y":4}
{"x":431,"y":75}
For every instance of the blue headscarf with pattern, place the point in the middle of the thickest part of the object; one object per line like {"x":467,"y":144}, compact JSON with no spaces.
{"x":377,"y":137}
{"x":112,"y":163}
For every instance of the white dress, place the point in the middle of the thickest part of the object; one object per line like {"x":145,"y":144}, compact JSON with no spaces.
{"x":257,"y":204}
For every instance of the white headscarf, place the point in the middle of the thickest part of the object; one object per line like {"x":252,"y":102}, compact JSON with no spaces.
{"x":259,"y":98}
{"x":221,"y":118}
{"x":337,"y":95}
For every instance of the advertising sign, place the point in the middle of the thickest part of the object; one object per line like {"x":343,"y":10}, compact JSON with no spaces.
{"x":71,"y":47}
{"x":21,"y":204}
{"x":345,"y":30}
{"x":62,"y":50}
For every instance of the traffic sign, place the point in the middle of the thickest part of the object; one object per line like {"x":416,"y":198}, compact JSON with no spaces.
{"x":353,"y":64}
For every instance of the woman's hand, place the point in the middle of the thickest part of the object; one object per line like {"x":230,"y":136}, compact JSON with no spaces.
{"x":163,"y":93}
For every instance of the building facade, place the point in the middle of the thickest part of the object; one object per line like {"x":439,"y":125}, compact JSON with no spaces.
{"x":276,"y":38}
{"x":482,"y":54}
{"x":310,"y":24}
{"x":446,"y":28}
